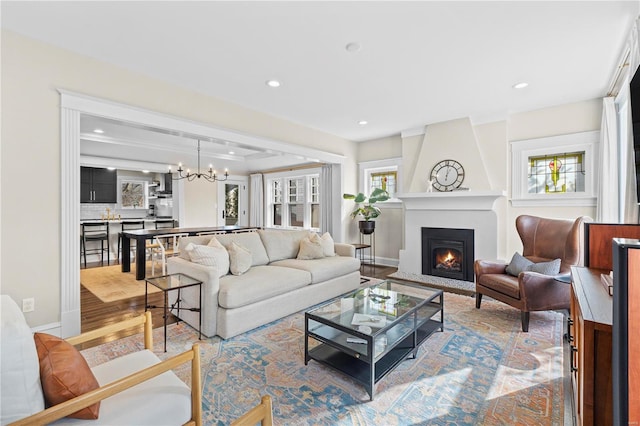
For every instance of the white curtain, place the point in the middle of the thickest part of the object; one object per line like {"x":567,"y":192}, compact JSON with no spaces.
{"x":628,"y":191}
{"x":326,"y":199}
{"x":256,"y":202}
{"x":608,"y":208}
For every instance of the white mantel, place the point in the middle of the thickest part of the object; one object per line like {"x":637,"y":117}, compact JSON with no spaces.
{"x":457,"y":209}
{"x":454,"y":200}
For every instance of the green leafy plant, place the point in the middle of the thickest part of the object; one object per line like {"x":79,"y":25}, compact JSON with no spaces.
{"x":365,"y":206}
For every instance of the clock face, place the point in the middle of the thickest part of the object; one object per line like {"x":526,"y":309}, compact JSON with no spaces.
{"x":447,"y":175}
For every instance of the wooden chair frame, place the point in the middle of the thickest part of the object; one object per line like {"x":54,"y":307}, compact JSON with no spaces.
{"x":260,"y":413}
{"x":71,"y":406}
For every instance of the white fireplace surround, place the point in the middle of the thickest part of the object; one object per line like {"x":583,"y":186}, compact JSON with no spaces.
{"x":457,"y":209}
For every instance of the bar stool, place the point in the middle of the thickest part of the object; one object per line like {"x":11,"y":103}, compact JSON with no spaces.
{"x":94,"y":231}
{"x":129,"y":225}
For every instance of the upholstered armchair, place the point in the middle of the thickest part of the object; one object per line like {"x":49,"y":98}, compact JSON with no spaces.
{"x":543,"y":240}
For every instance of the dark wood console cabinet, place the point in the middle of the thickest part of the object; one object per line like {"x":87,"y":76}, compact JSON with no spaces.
{"x":590,"y":337}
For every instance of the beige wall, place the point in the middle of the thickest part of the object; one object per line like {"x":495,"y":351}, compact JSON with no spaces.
{"x":485,"y":155}
{"x":558,"y":120}
{"x":31,"y":73}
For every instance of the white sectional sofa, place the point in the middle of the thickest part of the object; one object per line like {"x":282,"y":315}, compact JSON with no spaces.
{"x":276,"y":285}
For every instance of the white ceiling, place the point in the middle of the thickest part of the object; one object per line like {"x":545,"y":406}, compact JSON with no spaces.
{"x":419,"y":62}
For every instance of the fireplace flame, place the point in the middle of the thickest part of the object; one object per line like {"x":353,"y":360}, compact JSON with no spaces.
{"x":448,"y":261}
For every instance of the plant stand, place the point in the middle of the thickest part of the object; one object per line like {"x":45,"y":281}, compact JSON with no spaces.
{"x":369,"y":243}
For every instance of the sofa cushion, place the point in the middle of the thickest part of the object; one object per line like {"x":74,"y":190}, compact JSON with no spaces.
{"x":249,"y":240}
{"x":281,"y":244}
{"x":259,"y":283}
{"x":20,"y":388}
{"x":239,"y":259}
{"x":209,"y":255}
{"x":323,"y":269}
{"x":502,"y":283}
{"x":65,"y":374}
{"x":311,"y":248}
{"x":328,"y":245}
{"x":162,"y":400}
{"x":183,"y":242}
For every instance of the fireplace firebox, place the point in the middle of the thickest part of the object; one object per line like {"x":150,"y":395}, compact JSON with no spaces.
{"x":448,"y":253}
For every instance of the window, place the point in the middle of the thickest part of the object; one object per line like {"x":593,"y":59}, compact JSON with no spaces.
{"x":555,"y":171}
{"x":299,"y":207}
{"x":384,"y":180}
{"x":384,"y":174}
{"x":276,"y":196}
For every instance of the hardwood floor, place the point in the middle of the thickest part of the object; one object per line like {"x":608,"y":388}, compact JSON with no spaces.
{"x":95,"y":313}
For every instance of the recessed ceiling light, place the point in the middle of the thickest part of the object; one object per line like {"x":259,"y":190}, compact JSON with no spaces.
{"x":145,"y":171}
{"x":231,"y":152}
{"x":363,"y":122}
{"x":98,"y":131}
{"x":273,"y":83}
{"x":520,"y":85}
{"x":353,"y":47}
{"x":111,"y":168}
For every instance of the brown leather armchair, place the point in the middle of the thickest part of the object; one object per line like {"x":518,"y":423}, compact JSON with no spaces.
{"x":543,"y":240}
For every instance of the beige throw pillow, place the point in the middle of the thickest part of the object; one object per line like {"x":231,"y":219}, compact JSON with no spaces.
{"x":310,"y":248}
{"x":239,"y":259}
{"x":210,"y":255}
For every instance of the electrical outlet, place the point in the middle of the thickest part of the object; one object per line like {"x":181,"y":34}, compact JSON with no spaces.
{"x":28,"y":305}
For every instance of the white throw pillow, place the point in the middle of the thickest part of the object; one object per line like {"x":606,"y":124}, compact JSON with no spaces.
{"x":310,"y":248}
{"x":327,"y":245}
{"x":210,"y":255}
{"x":213,"y":242}
{"x":239,"y":259}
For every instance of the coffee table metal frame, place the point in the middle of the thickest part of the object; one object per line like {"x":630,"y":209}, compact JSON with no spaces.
{"x":168,"y":283}
{"x":407,"y":327}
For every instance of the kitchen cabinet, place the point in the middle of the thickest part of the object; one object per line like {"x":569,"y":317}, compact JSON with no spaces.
{"x":98,"y":185}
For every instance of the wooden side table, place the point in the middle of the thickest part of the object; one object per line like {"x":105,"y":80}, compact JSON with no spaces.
{"x":168,"y":283}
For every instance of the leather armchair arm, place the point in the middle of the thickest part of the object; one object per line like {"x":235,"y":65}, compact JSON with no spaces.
{"x":481,"y":267}
{"x":543,"y":292}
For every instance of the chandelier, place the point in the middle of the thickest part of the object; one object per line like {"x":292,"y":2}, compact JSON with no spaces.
{"x":210,"y":175}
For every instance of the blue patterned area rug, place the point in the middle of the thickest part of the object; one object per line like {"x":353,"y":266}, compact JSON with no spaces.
{"x":481,"y":370}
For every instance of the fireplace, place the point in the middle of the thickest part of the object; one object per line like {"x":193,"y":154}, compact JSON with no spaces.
{"x":448,"y":253}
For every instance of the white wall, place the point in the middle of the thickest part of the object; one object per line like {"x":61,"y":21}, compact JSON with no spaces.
{"x":484,"y":151}
{"x":201,"y":199}
{"x":32,"y":72}
{"x":389,"y":229}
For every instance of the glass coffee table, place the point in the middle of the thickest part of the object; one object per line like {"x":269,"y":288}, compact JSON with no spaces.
{"x":367,"y":333}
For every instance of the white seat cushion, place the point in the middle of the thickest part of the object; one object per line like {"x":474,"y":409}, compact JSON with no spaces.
{"x":163,"y":400}
{"x":259,"y":283}
{"x":323,"y":269}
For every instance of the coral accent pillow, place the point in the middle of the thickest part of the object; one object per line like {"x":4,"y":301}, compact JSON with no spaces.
{"x":310,"y":248}
{"x":239,"y":259}
{"x":64,"y":374}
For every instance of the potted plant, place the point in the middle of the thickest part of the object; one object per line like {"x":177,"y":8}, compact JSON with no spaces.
{"x":365,"y":208}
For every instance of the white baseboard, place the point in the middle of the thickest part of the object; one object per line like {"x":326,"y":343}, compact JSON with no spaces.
{"x":55,"y":329}
{"x":386,"y":261}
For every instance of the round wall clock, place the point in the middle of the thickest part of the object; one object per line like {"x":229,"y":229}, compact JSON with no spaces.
{"x":447,"y":175}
